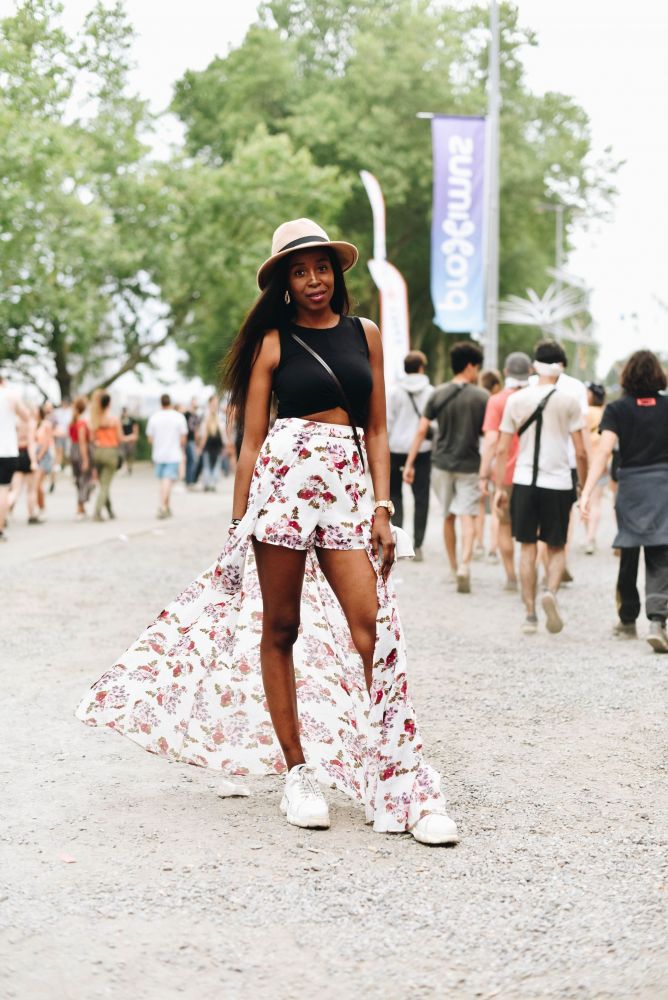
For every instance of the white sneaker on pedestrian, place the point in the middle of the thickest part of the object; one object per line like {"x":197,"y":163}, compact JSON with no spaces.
{"x":418,"y":557}
{"x":463,"y":580}
{"x":550,"y":607}
{"x":657,"y":637}
{"x":303,"y":804}
{"x":436,"y":828}
{"x":530,"y":625}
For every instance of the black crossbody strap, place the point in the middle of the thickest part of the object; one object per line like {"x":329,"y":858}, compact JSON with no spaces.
{"x":413,"y":403}
{"x":537,"y":417}
{"x":346,"y":405}
{"x":453,"y":395}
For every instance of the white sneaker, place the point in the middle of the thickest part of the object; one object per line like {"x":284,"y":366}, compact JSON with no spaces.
{"x":303,"y":803}
{"x":436,"y":828}
{"x":657,"y":637}
{"x":550,"y":607}
{"x":463,"y":580}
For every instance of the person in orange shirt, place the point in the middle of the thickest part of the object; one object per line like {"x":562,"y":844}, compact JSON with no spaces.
{"x":107,"y":437}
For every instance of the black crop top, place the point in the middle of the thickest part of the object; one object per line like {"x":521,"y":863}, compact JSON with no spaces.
{"x":302,"y":385}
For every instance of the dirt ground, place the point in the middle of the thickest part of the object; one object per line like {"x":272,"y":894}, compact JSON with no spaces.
{"x":122,"y":876}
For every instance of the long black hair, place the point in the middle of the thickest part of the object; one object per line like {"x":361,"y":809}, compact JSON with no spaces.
{"x":269,"y":312}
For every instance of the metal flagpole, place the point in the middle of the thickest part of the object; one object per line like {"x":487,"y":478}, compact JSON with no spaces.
{"x":493,"y":105}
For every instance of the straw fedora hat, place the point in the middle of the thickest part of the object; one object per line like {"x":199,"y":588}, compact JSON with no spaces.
{"x":302,"y":234}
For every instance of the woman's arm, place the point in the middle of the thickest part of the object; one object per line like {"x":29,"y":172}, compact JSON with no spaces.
{"x":256,"y":418}
{"x":82,"y":438}
{"x":596,"y":469}
{"x":378,"y":449}
{"x":41,"y":442}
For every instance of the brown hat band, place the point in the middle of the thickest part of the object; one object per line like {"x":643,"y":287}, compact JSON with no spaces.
{"x":302,"y":239}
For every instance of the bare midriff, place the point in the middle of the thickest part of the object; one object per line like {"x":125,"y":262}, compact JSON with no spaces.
{"x":336,"y":416}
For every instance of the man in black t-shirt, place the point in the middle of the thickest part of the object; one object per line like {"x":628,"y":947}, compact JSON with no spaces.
{"x":458,"y":407}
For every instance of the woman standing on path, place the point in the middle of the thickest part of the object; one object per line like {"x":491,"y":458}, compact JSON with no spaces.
{"x":253,"y":668}
{"x":107,"y":437}
{"x":80,"y":455}
{"x":26,"y":465}
{"x":44,"y":447}
{"x":212,"y":440}
{"x":639,"y":422}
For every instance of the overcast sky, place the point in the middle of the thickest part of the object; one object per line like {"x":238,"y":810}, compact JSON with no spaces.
{"x":612,"y":58}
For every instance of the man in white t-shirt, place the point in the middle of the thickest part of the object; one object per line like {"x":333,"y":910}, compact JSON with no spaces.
{"x":543,"y":494}
{"x":167,"y":432}
{"x":578,"y":390}
{"x":10,"y":408}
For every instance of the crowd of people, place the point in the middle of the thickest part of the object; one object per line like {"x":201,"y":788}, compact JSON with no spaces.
{"x":316,"y":687}
{"x":90,"y":441}
{"x":506,"y":455}
{"x":532,"y":445}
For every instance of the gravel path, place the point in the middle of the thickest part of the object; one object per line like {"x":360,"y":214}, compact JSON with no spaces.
{"x":123,"y":876}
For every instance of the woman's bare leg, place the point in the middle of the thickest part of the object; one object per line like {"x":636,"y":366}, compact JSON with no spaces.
{"x":353,"y":580}
{"x":281,"y":574}
{"x":595,"y":515}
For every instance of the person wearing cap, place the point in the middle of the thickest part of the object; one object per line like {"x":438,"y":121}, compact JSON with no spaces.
{"x":287,"y":654}
{"x":540,"y":506}
{"x":516,"y":376}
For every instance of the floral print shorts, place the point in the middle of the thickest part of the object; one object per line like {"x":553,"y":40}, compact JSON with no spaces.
{"x":323,"y":499}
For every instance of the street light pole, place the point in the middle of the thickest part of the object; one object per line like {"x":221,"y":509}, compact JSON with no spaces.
{"x":493,"y":105}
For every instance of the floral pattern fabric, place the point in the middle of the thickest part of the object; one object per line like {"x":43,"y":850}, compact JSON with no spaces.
{"x":190,"y":688}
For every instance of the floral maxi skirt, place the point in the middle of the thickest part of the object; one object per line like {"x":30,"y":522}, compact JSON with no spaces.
{"x":190,"y":688}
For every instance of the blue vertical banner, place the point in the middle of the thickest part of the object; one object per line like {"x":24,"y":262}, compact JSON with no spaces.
{"x":457,"y":227}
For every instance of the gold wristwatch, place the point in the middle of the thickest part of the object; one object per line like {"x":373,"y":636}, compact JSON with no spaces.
{"x":387,"y":504}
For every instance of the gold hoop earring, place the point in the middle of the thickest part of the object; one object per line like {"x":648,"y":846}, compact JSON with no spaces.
{"x":287,"y":297}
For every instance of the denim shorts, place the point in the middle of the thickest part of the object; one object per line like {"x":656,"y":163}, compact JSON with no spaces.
{"x":166,"y":470}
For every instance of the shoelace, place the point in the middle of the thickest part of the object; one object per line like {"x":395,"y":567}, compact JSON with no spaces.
{"x":307,"y":783}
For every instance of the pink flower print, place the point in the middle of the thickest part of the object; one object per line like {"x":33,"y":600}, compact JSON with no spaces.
{"x":388,"y":773}
{"x":304,"y":453}
{"x":162,"y":745}
{"x":283,"y":471}
{"x":409,"y":726}
{"x":328,"y":497}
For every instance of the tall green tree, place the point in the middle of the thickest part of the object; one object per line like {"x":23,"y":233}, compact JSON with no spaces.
{"x":343,"y":81}
{"x":84,"y":216}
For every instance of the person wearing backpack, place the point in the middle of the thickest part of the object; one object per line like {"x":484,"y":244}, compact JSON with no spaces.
{"x":405,"y":403}
{"x":542,"y":496}
{"x":458,"y":407}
